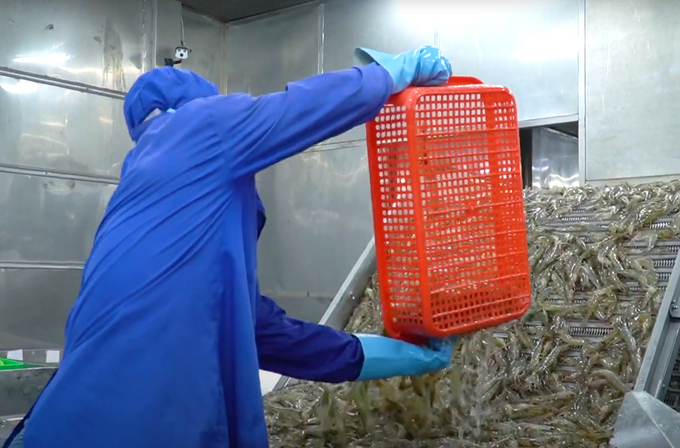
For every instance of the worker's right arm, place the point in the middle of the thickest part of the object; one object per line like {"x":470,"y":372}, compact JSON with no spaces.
{"x":261,"y":131}
{"x":308,"y":351}
{"x":304,"y":350}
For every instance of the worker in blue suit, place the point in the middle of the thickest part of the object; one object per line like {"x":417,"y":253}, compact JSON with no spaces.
{"x":165,"y":339}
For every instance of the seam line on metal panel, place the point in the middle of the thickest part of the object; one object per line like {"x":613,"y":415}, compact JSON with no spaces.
{"x":323,"y":147}
{"x":562,"y":134}
{"x":253,"y":18}
{"x":149,"y":36}
{"x":202,"y":15}
{"x":46,"y":265}
{"x":582,"y":92}
{"x":144,"y":38}
{"x":54,"y":82}
{"x":545,"y":121}
{"x":322,"y":38}
{"x":223,"y":67}
{"x":27,"y":171}
{"x":154,"y":44}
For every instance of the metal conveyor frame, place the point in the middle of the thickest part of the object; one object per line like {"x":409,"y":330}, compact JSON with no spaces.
{"x":644,"y":420}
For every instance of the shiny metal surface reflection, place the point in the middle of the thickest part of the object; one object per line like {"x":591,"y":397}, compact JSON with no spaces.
{"x":34,"y":307}
{"x":97,"y":43}
{"x":49,"y":220}
{"x":265,"y":54}
{"x":646,"y":421}
{"x":555,"y":159}
{"x":632,"y":94}
{"x":240,"y":9}
{"x":60,"y":129}
{"x":207,"y":40}
{"x":385,"y":25}
{"x":530,"y":46}
{"x":319,"y":211}
{"x":64,"y":68}
{"x":103,"y":44}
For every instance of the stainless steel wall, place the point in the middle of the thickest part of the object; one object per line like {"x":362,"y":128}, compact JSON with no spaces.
{"x":207,"y":40}
{"x":632,"y":93}
{"x":64,"y":68}
{"x":318,"y":202}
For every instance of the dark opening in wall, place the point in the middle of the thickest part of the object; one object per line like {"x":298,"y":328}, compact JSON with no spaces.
{"x":526,"y":144}
{"x":550,"y":155}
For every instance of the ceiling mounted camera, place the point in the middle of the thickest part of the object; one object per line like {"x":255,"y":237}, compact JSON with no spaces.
{"x":182,"y":53}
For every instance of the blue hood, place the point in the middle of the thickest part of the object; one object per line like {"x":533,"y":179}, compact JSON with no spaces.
{"x":162,"y":88}
{"x":169,"y":88}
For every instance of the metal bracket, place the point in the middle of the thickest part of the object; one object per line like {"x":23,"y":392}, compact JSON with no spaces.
{"x":646,"y":422}
{"x":675,"y":309}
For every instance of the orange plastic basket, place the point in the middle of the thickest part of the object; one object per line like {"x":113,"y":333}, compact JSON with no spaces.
{"x":448,"y":210}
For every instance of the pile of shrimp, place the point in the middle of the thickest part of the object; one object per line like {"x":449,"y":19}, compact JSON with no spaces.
{"x":600,"y":259}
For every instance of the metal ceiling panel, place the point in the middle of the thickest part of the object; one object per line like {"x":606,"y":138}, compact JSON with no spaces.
{"x":230,"y":10}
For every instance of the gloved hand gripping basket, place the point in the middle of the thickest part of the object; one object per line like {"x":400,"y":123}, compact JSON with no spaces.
{"x":448,"y":210}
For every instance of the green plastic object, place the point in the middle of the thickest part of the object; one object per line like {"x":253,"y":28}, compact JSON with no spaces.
{"x":8,"y":364}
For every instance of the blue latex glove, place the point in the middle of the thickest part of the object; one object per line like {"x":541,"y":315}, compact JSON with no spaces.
{"x":386,"y":357}
{"x":423,"y":67}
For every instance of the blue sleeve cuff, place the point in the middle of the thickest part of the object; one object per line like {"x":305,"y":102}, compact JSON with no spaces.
{"x":305,"y":350}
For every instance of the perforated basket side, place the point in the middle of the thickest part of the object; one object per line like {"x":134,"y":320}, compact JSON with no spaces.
{"x":394,"y":224}
{"x":470,"y":181}
{"x":448,"y":211}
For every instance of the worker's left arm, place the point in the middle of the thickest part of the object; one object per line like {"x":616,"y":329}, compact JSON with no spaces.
{"x":304,"y":350}
{"x":261,"y":131}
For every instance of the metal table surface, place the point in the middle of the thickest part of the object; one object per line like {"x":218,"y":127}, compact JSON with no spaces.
{"x":7,"y":424}
{"x":19,"y":389}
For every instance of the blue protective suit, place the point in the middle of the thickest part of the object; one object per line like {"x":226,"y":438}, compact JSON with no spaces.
{"x":161,"y":342}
